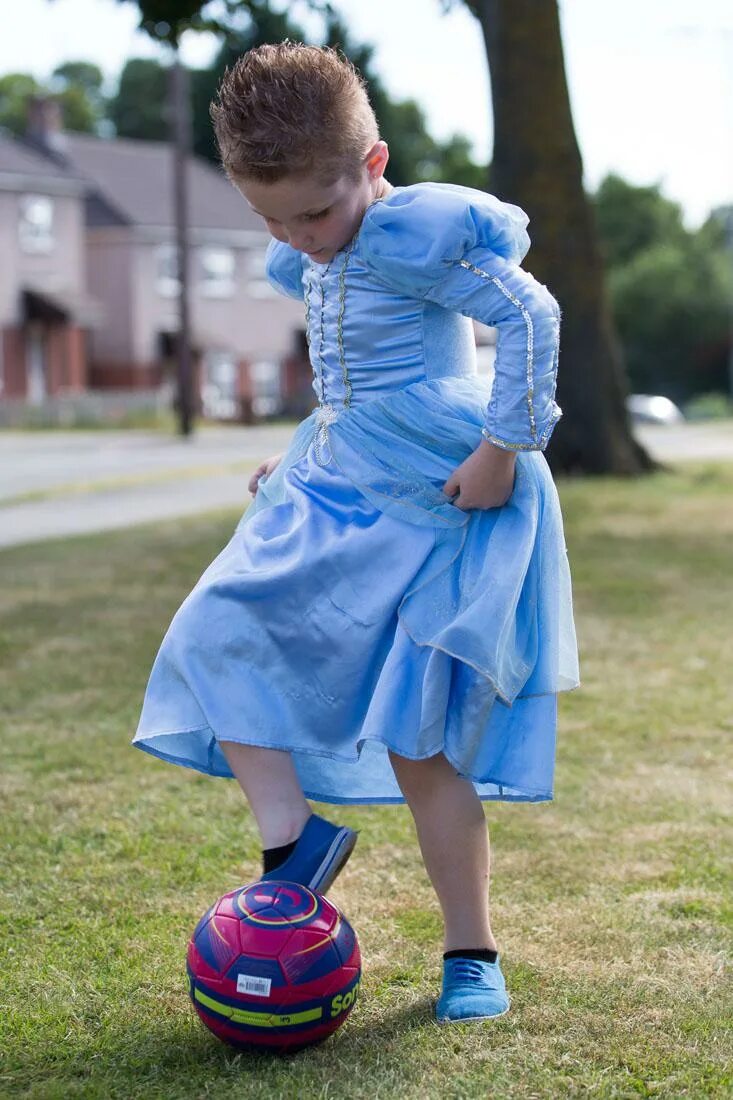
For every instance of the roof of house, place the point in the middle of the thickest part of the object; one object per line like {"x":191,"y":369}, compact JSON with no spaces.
{"x":135,"y":181}
{"x":24,"y":168}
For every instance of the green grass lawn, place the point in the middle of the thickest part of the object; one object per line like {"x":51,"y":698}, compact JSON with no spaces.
{"x":612,"y":904}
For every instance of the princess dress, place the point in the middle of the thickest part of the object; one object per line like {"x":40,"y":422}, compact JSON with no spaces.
{"x":355,"y":608}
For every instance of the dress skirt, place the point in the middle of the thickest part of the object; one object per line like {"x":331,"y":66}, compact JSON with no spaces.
{"x":349,"y":615}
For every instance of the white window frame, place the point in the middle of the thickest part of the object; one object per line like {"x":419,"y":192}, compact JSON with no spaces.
{"x":223,"y":283}
{"x":33,"y":234}
{"x":165,"y":258}
{"x":258,"y":285}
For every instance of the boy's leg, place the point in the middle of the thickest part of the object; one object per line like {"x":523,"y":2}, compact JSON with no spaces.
{"x":299,"y":845}
{"x":271,"y":785}
{"x":454,"y":842}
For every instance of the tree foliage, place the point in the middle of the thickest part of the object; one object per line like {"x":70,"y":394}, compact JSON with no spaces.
{"x":138,"y":109}
{"x":76,"y":85}
{"x":15,"y":91}
{"x":631,"y":219}
{"x":669,"y":289}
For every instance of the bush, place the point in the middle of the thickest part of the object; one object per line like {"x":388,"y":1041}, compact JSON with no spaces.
{"x":709,"y":406}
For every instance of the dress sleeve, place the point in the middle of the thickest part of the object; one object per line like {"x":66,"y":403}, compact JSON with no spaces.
{"x":461,"y":248}
{"x":284,"y":269}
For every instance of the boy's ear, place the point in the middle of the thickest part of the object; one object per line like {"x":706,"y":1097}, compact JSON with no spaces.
{"x":376,"y":159}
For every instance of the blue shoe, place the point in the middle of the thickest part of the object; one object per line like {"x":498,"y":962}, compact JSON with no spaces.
{"x":319,"y":855}
{"x":472,"y":990}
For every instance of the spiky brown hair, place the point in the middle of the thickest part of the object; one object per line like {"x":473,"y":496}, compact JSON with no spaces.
{"x":290,"y":110}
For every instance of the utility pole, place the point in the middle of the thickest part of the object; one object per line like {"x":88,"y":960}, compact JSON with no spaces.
{"x":180,"y":119}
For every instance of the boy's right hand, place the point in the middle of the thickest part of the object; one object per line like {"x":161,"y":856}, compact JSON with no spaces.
{"x":263,"y":470}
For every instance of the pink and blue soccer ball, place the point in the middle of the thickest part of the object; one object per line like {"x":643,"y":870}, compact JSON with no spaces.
{"x":273,"y":966}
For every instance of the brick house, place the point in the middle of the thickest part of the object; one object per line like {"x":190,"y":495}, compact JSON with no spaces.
{"x":111,"y":209}
{"x":45,"y":309}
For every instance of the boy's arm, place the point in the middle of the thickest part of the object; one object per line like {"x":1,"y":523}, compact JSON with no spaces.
{"x":461,"y":248}
{"x":522,"y":411}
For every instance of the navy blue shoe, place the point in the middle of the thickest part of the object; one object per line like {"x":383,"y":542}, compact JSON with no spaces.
{"x":472,"y":990}
{"x":319,"y":855}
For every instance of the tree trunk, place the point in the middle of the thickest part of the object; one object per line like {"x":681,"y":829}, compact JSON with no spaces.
{"x":537,"y":165}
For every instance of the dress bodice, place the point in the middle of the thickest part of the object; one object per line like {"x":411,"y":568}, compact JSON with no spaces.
{"x":366,"y":339}
{"x":393,"y":308}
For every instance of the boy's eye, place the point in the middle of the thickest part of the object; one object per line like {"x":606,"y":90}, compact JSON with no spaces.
{"x":315,"y":217}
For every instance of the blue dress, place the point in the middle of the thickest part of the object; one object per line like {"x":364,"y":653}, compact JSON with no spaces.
{"x":356,"y":608}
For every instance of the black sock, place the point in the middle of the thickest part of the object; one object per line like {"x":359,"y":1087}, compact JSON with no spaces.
{"x":273,"y":857}
{"x":473,"y":953}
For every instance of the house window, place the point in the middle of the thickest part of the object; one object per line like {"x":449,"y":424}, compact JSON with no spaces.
{"x":166,"y":270}
{"x":35,"y":223}
{"x":220,"y":386}
{"x":258,"y":285}
{"x":217,"y":272}
{"x":266,"y":380}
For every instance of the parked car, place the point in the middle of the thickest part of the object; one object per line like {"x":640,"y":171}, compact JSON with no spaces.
{"x":644,"y":408}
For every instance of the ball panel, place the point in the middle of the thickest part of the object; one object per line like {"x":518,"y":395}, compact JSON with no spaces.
{"x":256,"y":975}
{"x":225,"y":905}
{"x":273,"y":904}
{"x":309,"y":955}
{"x":345,"y":942}
{"x":341,"y":1003}
{"x":218,"y":941}
{"x":203,"y":920}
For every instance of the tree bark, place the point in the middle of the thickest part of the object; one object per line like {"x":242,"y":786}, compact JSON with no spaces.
{"x":537,"y":165}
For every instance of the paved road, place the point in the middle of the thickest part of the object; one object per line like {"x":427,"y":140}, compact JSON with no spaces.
{"x":167,"y":477}
{"x":37,"y":461}
{"x":170,"y":477}
{"x":684,"y":442}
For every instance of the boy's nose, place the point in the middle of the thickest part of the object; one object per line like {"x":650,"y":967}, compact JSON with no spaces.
{"x":301,"y":242}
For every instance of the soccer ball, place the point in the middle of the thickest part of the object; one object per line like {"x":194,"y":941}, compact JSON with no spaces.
{"x":273,"y":966}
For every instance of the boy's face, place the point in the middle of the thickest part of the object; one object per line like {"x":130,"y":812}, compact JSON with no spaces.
{"x":312,"y":218}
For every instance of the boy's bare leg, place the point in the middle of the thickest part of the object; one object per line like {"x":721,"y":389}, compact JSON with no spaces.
{"x":272,"y":788}
{"x":454,"y":841}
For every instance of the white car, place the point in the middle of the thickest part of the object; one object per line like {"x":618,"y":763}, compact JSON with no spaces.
{"x":647,"y":409}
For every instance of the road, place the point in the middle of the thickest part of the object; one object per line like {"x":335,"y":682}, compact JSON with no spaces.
{"x":61,"y":483}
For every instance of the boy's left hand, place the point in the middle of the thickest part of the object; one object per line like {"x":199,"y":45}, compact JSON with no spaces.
{"x":485,"y":479}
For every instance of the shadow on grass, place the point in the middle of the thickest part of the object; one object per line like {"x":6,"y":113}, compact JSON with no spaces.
{"x":174,"y":1055}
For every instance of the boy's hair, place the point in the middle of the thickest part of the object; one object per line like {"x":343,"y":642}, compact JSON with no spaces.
{"x":290,"y":109}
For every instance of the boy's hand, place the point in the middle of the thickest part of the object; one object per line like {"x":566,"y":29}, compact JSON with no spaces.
{"x":263,"y":470}
{"x":484,"y":480}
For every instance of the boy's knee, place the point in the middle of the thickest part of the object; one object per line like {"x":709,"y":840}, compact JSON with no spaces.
{"x":420,"y":773}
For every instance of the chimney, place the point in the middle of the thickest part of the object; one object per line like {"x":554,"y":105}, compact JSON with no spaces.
{"x":44,"y":126}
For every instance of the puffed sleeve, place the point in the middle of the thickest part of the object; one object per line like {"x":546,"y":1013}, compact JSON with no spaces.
{"x":461,"y":248}
{"x":284,"y":269}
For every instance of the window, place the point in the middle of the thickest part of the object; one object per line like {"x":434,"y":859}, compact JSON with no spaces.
{"x":266,"y":380}
{"x":220,"y":386}
{"x":217,"y":272}
{"x":166,"y":270}
{"x":35,"y":223}
{"x":258,"y":285}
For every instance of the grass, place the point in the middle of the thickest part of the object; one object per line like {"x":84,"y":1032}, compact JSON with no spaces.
{"x":612,"y":904}
{"x":30,"y":419}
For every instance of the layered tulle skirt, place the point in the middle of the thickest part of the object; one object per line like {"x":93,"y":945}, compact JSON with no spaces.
{"x":356,"y":609}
